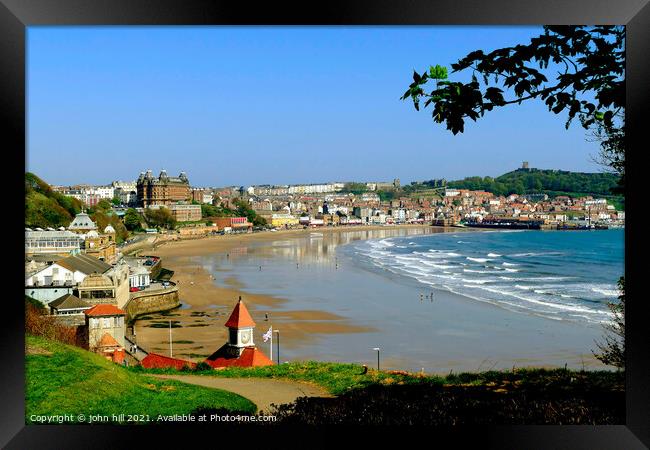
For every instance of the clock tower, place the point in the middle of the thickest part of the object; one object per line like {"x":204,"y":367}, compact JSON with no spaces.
{"x":239,"y":350}
{"x":240,"y":329}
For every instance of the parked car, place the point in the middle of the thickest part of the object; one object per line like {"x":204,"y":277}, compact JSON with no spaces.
{"x":134,"y":289}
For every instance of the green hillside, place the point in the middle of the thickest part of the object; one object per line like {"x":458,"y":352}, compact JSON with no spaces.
{"x":46,"y":208}
{"x":62,"y":379}
{"x":551,"y":182}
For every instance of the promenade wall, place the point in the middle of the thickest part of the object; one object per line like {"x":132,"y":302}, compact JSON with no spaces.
{"x":150,"y":302}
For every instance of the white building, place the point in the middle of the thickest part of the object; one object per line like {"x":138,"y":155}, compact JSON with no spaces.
{"x":67,"y":272}
{"x":124,"y":185}
{"x":104,"y":192}
{"x":52,"y":242}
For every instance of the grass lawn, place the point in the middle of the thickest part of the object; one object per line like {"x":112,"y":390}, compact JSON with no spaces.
{"x":62,"y":379}
{"x":339,"y":378}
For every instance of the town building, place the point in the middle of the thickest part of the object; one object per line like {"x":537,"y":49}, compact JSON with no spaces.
{"x":284,"y":220}
{"x":139,"y":277}
{"x":202,"y":195}
{"x":82,"y":224}
{"x":126,"y":192}
{"x":235,"y":224}
{"x":162,"y":191}
{"x":110,"y":287}
{"x":57,"y":242}
{"x":183,"y":212}
{"x":105,"y":328}
{"x":240,"y":350}
{"x":102,"y":246}
{"x":68,"y":304}
{"x":62,"y":277}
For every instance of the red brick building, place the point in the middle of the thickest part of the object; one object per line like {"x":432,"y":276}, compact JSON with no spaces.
{"x":162,"y":191}
{"x":236,"y":224}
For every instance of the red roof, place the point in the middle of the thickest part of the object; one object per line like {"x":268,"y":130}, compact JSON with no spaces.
{"x":156,"y":361}
{"x":250,"y":357}
{"x":240,"y":318}
{"x":105,"y":310}
{"x":108,"y":341}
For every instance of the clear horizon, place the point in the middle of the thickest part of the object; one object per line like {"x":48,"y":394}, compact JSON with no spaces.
{"x":235,"y":106}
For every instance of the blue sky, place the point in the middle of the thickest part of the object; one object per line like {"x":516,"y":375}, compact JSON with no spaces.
{"x":276,"y":105}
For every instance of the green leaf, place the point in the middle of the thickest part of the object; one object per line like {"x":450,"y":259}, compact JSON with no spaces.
{"x":438,"y":72}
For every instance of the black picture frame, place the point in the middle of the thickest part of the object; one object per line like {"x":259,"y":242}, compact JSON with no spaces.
{"x":16,"y":15}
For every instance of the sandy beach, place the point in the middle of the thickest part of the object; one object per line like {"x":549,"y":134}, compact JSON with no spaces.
{"x":207,"y":303}
{"x":327,"y":308}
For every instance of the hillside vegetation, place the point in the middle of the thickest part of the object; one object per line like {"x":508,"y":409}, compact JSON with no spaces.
{"x":46,"y":208}
{"x":552,"y":182}
{"x":62,"y":379}
{"x":519,"y":396}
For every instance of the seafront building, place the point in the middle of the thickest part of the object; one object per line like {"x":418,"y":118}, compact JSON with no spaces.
{"x":163,"y":190}
{"x":184,"y":212}
{"x":52,"y":242}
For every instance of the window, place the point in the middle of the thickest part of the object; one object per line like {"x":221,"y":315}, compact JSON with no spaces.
{"x":107,"y":322}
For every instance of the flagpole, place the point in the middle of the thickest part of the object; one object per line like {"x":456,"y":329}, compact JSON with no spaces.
{"x":170,"y":339}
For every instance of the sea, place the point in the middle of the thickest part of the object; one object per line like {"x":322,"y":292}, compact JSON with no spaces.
{"x":558,"y":275}
{"x":437,"y":301}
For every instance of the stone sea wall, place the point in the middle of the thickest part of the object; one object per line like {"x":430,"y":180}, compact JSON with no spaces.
{"x":150,"y":302}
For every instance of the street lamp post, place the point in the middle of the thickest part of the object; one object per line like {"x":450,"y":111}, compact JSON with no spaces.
{"x":377,"y":349}
{"x":278,"y":340}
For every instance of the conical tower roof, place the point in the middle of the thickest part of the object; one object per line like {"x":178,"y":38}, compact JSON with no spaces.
{"x":240,"y":318}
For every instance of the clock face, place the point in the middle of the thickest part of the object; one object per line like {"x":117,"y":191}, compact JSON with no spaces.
{"x":245,"y":337}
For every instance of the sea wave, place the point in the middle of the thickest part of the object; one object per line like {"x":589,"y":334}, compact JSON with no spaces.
{"x":535,"y":279}
{"x":606,"y":292}
{"x":479,"y":260}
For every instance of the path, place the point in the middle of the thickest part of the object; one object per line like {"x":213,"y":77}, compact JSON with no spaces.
{"x":261,"y":391}
{"x":140,"y":353}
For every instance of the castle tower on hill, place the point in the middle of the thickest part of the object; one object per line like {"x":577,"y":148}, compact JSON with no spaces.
{"x":240,"y":350}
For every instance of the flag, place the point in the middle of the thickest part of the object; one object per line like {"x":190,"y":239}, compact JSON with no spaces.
{"x":266,"y":336}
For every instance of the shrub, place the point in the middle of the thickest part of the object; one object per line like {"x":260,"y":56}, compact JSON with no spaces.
{"x":39,"y":324}
{"x":202,"y":367}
